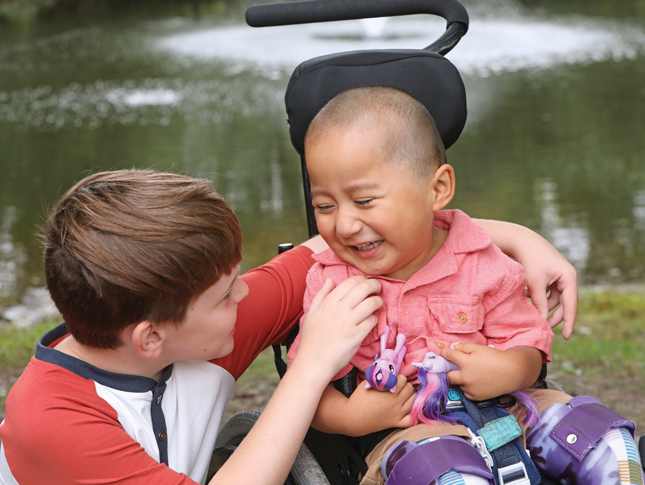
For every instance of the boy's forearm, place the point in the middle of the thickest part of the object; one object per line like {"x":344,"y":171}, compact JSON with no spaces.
{"x":274,"y":441}
{"x":317,"y":244}
{"x":528,"y":361}
{"x":506,"y":235}
{"x":330,"y":417}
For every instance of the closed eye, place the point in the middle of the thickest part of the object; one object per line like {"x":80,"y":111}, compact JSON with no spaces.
{"x":363,"y":202}
{"x":228,"y":295}
{"x":324,"y":208}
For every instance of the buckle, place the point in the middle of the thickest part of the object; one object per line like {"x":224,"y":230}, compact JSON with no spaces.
{"x":453,"y":400}
{"x":480,"y":445}
{"x":513,"y":474}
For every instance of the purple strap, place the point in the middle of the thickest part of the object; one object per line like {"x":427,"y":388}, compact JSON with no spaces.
{"x":587,"y":422}
{"x":427,"y":462}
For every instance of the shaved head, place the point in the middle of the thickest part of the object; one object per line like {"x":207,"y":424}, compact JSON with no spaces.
{"x":412,"y":137}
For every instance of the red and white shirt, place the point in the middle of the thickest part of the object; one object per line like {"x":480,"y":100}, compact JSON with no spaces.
{"x":69,"y":422}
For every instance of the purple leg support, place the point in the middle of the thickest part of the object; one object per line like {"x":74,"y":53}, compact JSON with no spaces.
{"x":413,"y":464}
{"x":568,"y":446}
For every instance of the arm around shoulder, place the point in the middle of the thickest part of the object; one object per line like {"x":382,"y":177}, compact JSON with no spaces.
{"x":547,"y":271}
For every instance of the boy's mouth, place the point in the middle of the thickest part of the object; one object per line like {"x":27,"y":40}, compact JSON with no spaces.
{"x":367,"y":247}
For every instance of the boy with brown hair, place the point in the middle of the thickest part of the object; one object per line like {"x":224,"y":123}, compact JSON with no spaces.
{"x":144,"y":266}
{"x":379,"y":182}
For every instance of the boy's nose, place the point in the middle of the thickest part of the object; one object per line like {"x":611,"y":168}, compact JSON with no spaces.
{"x":347,"y":224}
{"x":243,"y":291}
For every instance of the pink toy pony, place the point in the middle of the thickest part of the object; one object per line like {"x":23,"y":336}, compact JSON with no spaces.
{"x":430,"y":401}
{"x":381,"y":375}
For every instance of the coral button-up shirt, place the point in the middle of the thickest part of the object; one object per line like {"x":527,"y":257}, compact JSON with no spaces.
{"x":468,"y":292}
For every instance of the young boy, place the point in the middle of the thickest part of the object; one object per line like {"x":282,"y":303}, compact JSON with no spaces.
{"x":379,"y":180}
{"x":143,"y":267}
{"x":131,"y":389}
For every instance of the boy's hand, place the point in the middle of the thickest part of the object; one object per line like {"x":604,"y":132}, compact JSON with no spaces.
{"x":547,"y":271}
{"x":338,"y":321}
{"x":365,"y":411}
{"x":560,"y":282}
{"x":369,"y":410}
{"x":487,"y":372}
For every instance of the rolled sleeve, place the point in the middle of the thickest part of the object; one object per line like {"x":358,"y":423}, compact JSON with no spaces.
{"x":512,"y":320}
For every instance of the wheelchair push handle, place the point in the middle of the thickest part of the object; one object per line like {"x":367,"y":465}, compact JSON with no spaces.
{"x":310,"y":11}
{"x":305,"y":12}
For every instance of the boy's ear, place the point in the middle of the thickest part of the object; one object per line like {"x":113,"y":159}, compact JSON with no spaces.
{"x":147,"y":340}
{"x":443,"y":186}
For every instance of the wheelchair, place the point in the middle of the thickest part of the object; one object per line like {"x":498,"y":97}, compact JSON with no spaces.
{"x":431,"y":79}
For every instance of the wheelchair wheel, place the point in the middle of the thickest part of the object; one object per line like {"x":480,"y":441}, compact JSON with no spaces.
{"x":305,"y":470}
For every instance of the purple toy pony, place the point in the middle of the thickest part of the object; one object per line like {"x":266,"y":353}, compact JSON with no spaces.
{"x":381,"y":375}
{"x":430,"y":401}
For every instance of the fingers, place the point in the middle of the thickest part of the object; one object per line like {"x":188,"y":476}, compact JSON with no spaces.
{"x":404,"y":388}
{"x":405,"y":422}
{"x":539,"y":300}
{"x":554,"y":297}
{"x":456,"y":356}
{"x":570,"y":304}
{"x":462,"y":347}
{"x":567,"y":299}
{"x":322,"y":294}
{"x":357,"y":289}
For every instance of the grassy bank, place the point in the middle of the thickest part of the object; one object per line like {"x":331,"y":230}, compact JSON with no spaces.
{"x":605,"y":357}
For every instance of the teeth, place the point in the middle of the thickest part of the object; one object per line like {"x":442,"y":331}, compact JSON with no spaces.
{"x":369,"y":246}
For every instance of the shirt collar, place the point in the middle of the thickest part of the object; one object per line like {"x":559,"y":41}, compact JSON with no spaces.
{"x":464,"y":237}
{"x":122,"y":382}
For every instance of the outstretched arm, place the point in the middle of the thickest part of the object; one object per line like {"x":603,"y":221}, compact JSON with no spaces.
{"x":335,"y":326}
{"x":547,"y":271}
{"x":365,"y":411}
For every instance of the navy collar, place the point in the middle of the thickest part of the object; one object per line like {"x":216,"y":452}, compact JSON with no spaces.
{"x":121,"y":382}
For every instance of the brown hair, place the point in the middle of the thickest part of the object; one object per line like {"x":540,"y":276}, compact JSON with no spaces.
{"x":126,"y":246}
{"x":413,"y":137}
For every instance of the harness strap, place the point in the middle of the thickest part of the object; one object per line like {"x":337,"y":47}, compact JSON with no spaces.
{"x":513,"y":464}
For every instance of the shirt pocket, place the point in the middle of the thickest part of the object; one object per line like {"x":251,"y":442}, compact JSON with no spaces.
{"x":458,"y":315}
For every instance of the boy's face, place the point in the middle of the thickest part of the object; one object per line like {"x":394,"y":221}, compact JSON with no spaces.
{"x":375,"y":214}
{"x":207,"y":331}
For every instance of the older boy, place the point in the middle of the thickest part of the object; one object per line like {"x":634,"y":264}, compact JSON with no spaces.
{"x":131,"y":389}
{"x":379,"y":180}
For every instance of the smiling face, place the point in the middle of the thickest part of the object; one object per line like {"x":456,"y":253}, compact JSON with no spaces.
{"x":375,"y":214}
{"x":207,"y":331}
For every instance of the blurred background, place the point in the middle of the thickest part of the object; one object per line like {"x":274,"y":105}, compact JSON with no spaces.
{"x":554,"y":140}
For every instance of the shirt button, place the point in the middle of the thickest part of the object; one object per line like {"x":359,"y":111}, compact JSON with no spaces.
{"x":162,"y":436}
{"x":407,"y":293}
{"x":159,"y":399}
{"x":572,"y":438}
{"x":462,"y":318}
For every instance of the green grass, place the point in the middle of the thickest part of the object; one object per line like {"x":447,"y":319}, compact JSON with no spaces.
{"x":609,"y":336}
{"x":19,"y":344}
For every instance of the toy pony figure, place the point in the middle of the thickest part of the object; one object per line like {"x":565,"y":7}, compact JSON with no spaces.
{"x":381,"y":375}
{"x":430,"y":401}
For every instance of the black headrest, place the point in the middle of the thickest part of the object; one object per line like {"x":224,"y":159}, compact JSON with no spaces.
{"x":428,"y":77}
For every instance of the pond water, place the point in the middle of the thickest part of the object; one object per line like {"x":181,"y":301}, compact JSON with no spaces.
{"x":554,"y":139}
